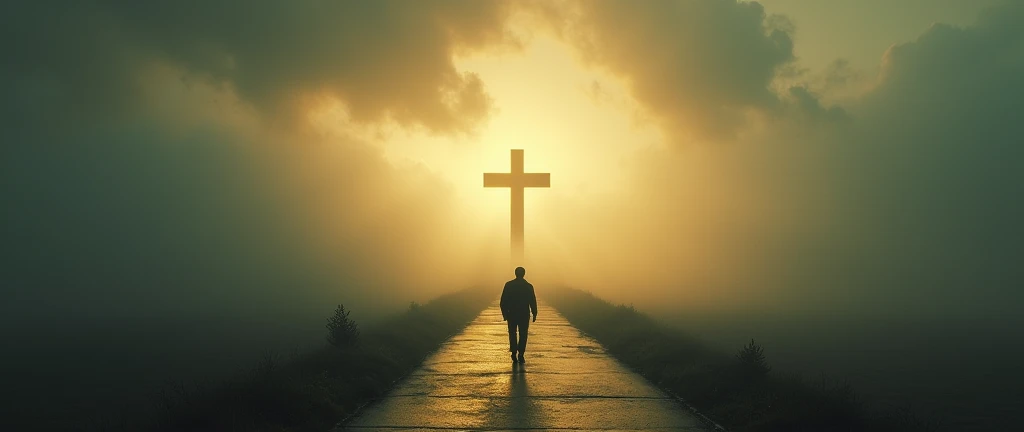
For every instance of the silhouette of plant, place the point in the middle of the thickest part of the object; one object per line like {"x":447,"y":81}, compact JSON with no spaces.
{"x":342,"y":331}
{"x":752,"y":360}
{"x":738,"y":389}
{"x":414,"y":307}
{"x":312,"y":390}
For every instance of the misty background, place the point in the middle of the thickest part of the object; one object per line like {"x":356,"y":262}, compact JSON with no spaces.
{"x":174,"y":206}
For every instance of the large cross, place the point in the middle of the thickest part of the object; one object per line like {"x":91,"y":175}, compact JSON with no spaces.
{"x":517,"y":180}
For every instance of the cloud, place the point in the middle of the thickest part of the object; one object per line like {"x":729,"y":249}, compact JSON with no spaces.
{"x":160,"y":157}
{"x":384,"y":60}
{"x":901,"y":201}
{"x":840,"y":74}
{"x":940,"y":154}
{"x":142,"y":134}
{"x":699,"y":67}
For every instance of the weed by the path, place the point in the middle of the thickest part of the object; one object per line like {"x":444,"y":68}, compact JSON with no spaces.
{"x":313,"y":391}
{"x":738,"y":391}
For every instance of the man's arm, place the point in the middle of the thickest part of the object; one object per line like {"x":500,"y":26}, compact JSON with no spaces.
{"x":533,"y":303}
{"x":502,"y":304}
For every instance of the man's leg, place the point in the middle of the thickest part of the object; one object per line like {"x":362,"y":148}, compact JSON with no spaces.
{"x":524,"y":330}
{"x":511,"y":336}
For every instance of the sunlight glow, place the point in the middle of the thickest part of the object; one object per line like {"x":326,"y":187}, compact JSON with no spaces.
{"x":574,"y":123}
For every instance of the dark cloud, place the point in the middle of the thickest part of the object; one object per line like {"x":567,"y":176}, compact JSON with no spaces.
{"x":146,"y":174}
{"x":840,"y":74}
{"x":382,"y":59}
{"x":937,"y":160}
{"x":903,"y":201}
{"x":699,"y":67}
{"x":170,"y":213}
{"x":144,"y":147}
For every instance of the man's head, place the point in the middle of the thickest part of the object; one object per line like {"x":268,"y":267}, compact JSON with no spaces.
{"x":520,"y":272}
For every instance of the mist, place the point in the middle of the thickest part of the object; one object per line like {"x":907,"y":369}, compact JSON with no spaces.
{"x":195,"y":253}
{"x":183,"y":192}
{"x":165,"y":224}
{"x":870,"y":237}
{"x":900,"y":200}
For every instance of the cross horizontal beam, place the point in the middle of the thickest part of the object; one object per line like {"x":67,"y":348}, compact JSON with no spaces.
{"x":517,"y":180}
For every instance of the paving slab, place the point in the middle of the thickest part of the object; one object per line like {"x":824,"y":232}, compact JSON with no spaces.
{"x":569,"y":382}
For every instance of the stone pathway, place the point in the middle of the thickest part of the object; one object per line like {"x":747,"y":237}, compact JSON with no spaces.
{"x":568,"y":382}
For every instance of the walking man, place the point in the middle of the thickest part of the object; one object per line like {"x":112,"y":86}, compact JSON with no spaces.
{"x":518,"y":301}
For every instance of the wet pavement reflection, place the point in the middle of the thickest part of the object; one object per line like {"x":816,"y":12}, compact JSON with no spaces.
{"x":567,"y":382}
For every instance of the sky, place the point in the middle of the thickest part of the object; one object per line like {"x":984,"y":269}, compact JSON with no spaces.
{"x":859,"y":32}
{"x":196,"y":159}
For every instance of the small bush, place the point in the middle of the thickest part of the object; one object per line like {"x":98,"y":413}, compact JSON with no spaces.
{"x":736,"y":390}
{"x":342,"y":331}
{"x":752,"y":361}
{"x":312,"y":391}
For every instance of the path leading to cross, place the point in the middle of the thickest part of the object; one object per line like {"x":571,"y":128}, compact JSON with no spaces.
{"x":568,"y":382}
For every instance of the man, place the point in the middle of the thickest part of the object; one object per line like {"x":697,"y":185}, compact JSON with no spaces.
{"x":517,"y":302}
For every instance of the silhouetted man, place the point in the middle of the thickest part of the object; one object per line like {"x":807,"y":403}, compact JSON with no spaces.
{"x":517,"y":302}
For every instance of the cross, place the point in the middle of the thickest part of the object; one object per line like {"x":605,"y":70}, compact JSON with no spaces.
{"x":517,"y":180}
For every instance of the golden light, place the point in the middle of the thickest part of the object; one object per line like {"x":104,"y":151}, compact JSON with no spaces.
{"x":574,"y":123}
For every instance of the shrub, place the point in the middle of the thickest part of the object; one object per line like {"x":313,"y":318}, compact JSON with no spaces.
{"x":737,"y":390}
{"x":312,"y":391}
{"x":752,"y":361}
{"x":342,"y":331}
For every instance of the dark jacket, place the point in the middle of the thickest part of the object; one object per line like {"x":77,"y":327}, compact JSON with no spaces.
{"x":518,"y":300}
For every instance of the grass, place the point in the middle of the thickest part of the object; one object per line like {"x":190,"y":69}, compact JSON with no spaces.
{"x":316,"y":390}
{"x":737,"y":391}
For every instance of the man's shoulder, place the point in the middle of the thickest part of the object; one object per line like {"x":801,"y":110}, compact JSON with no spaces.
{"x":521,"y":283}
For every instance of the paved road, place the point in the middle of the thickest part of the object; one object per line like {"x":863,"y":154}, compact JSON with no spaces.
{"x":568,"y":382}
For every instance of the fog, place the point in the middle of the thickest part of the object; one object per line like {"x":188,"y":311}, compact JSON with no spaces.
{"x":166,"y":222}
{"x":872,"y":237}
{"x":899,"y":200}
{"x":176,"y":204}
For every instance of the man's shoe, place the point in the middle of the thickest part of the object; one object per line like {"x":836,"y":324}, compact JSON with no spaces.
{"x":521,"y":358}
{"x":513,"y":357}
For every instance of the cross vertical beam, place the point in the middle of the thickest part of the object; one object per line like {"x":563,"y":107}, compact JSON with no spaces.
{"x":517,"y":194}
{"x":517,"y":180}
